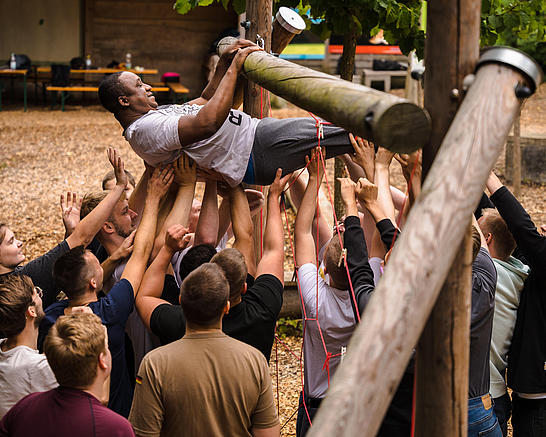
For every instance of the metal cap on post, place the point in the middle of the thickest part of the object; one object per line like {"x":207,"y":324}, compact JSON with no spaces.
{"x":287,"y":24}
{"x":516,"y":59}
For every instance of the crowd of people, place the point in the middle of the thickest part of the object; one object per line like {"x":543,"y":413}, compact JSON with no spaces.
{"x":152,"y":317}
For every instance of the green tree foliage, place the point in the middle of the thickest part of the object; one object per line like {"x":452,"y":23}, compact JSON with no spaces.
{"x":514,"y":23}
{"x":398,"y":19}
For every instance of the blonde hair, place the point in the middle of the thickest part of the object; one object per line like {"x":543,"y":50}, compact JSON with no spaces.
{"x":90,"y":202}
{"x":72,"y":348}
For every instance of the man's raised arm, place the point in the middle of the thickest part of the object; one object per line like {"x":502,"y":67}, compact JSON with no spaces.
{"x":242,"y":226}
{"x":144,"y":239}
{"x":272,"y":261}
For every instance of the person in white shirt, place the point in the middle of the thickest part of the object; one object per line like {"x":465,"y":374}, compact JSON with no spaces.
{"x":227,"y":144}
{"x":327,"y":307}
{"x":22,"y":369}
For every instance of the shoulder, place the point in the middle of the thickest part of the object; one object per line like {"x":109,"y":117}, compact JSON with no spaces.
{"x":110,"y":423}
{"x":267,"y":281}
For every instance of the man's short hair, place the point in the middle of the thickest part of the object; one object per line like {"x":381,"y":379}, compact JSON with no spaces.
{"x":16,"y":293}
{"x":111,"y":175}
{"x":71,"y":272}
{"x":110,"y":89}
{"x":197,"y":255}
{"x":503,"y":241}
{"x":90,"y":202}
{"x":72,"y":348}
{"x":337,"y":271}
{"x":234,"y":266}
{"x":204,"y":294}
{"x":476,"y":242}
{"x":3,"y":228}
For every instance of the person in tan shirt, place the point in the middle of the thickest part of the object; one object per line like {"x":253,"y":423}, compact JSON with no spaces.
{"x":206,"y":383}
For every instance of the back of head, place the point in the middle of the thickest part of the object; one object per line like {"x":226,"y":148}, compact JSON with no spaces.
{"x":338,"y":273}
{"x":204,"y":295}
{"x":111,"y":176}
{"x":492,"y":223}
{"x":197,"y":255}
{"x":71,"y":272}
{"x":3,"y":228}
{"x":16,"y":293}
{"x":476,"y":242}
{"x":110,"y":89}
{"x":90,"y":202}
{"x":233,"y":264}
{"x":72,"y":348}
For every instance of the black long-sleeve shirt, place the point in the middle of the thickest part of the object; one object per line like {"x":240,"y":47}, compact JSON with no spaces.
{"x":527,"y":355}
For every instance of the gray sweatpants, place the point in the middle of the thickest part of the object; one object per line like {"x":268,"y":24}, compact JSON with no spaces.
{"x":284,"y":143}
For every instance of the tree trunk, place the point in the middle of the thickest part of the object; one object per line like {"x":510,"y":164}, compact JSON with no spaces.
{"x":347,"y":65}
{"x":451,"y":52}
{"x":516,"y":158}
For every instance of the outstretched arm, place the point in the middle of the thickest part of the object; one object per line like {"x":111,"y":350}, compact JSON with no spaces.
{"x":303,"y":236}
{"x":209,"y":119}
{"x":144,"y":239}
{"x":242,"y":226}
{"x":206,"y":231}
{"x":272,"y":261}
{"x":360,"y":272}
{"x":71,"y":212}
{"x":85,"y":230}
{"x":148,"y":297}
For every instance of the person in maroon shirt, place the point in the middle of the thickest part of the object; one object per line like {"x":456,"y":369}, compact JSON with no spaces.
{"x":77,"y":350}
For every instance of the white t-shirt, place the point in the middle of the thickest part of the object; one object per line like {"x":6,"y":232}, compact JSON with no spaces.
{"x":154,"y":137}
{"x":337,"y":322}
{"x":22,"y":371}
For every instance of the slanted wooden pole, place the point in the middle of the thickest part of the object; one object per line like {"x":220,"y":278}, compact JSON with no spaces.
{"x":378,"y":353}
{"x":388,"y":120}
{"x":451,"y":53}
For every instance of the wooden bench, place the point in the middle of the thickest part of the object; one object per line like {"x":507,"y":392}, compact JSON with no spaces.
{"x":177,"y":89}
{"x":66,"y":89}
{"x":368,"y":76}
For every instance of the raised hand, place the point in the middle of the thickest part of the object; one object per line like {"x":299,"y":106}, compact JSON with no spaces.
{"x":70,"y":208}
{"x":312,"y":165}
{"x":185,"y":170}
{"x":364,"y":155}
{"x":161,"y":180}
{"x":119,"y":168}
{"x":348,"y":191}
{"x":125,"y":249}
{"x":240,"y":56}
{"x":383,"y":156}
{"x":277,"y":187}
{"x":409,"y":163}
{"x":177,"y":238}
{"x":366,"y":191}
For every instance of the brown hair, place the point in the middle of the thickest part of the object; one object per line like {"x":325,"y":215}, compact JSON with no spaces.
{"x":503,"y":241}
{"x":204,"y":294}
{"x":72,"y":348}
{"x":71,"y":272}
{"x":234,"y":266}
{"x":16,"y":293}
{"x":111,"y":175}
{"x":476,"y":242}
{"x":3,"y":228}
{"x":337,"y":271}
{"x":90,"y":202}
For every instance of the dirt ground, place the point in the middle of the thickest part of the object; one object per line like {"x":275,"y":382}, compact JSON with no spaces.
{"x":44,"y":153}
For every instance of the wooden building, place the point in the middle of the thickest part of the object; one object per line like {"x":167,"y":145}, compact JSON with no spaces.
{"x":55,"y":31}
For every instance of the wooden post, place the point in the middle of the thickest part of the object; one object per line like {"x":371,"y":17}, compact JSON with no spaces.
{"x":258,"y":13}
{"x":288,"y":23}
{"x":380,"y":348}
{"x":516,"y":158}
{"x":451,"y":53}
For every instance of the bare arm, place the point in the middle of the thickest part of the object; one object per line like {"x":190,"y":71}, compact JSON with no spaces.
{"x":86,"y":229}
{"x":303,"y":236}
{"x":383,"y":160}
{"x":206,"y":231}
{"x":121,"y":253}
{"x":242,"y":227}
{"x":209,"y":119}
{"x":272,"y":261}
{"x":151,"y":288}
{"x":144,"y":239}
{"x":138,"y":196}
{"x":185,"y":176}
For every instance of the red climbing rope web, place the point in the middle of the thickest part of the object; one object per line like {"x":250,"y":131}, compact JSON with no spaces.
{"x":321,"y":166}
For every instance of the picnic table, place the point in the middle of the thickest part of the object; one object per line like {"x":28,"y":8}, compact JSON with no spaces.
{"x":15,"y":73}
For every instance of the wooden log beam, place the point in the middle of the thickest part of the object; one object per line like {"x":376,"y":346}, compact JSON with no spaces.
{"x":389,"y":121}
{"x":379,"y":351}
{"x":442,"y":359}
